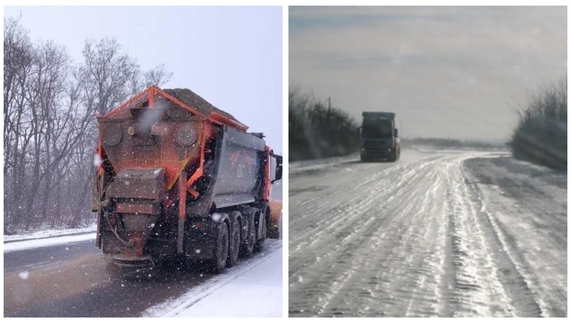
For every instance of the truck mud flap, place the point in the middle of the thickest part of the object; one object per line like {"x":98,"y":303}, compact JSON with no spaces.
{"x":133,"y":262}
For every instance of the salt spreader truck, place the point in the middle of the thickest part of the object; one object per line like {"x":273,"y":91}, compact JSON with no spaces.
{"x":378,"y":137}
{"x":177,"y":177}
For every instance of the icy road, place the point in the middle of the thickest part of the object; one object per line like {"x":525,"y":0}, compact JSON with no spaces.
{"x":68,"y":277}
{"x":434,"y":234}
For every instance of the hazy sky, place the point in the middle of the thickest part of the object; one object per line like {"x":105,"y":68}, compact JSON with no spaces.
{"x":231,"y":56}
{"x":448,"y":72}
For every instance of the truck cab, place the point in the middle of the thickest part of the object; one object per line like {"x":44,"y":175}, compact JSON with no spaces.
{"x":378,"y":137}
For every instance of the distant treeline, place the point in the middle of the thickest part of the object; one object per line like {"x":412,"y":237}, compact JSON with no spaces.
{"x":541,"y":133}
{"x":317,"y":130}
{"x":449,"y":143}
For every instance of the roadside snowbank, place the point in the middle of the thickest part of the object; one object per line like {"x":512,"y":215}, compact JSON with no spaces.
{"x":49,"y":233}
{"x":299,"y":166}
{"x":254,"y":290}
{"x":31,"y":242}
{"x":48,"y":238}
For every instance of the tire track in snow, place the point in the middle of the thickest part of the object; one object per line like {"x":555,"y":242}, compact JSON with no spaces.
{"x":380,"y":294}
{"x":340,"y":272}
{"x":342,"y":218}
{"x":509,"y":272}
{"x":406,"y":241}
{"x":474,"y":286}
{"x":533,"y":269}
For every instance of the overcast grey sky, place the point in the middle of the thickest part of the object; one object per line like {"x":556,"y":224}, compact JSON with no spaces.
{"x":231,"y":56}
{"x":447,"y":72}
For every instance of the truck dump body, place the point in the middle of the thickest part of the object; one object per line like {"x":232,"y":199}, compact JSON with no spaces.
{"x":179,"y":175}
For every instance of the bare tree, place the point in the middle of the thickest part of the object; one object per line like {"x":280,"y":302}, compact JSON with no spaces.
{"x":317,"y":130}
{"x":50,"y":127}
{"x":157,"y":75}
{"x":106,"y":73}
{"x":541,"y":133}
{"x":18,"y":57}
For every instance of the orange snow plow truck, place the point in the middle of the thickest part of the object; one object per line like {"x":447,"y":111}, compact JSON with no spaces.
{"x":177,"y":177}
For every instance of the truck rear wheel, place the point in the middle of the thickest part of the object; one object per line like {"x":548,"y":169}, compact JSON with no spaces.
{"x":221,"y":250}
{"x":233,"y":255}
{"x":248,"y":216}
{"x":260,"y":240}
{"x":393,"y":156}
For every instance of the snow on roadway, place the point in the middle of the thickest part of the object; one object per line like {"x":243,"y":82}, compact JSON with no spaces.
{"x":48,"y":233}
{"x":35,"y":241}
{"x":301,"y":166}
{"x":532,"y":231}
{"x":249,"y":290}
{"x":421,"y":237}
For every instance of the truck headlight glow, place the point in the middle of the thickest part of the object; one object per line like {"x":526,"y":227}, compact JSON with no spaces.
{"x":186,"y":135}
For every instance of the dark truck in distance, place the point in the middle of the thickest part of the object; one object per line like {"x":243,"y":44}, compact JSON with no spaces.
{"x":378,"y":137}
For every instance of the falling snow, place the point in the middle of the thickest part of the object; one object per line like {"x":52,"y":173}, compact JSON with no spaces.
{"x":24,"y":275}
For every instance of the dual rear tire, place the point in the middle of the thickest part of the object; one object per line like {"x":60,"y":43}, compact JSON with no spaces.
{"x":235,"y":241}
{"x":221,"y":250}
{"x":248,"y":244}
{"x":229,"y":243}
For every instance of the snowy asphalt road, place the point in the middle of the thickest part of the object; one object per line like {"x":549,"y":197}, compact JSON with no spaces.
{"x":46,"y":276}
{"x":33,"y":258}
{"x":427,"y":236}
{"x":74,"y":280}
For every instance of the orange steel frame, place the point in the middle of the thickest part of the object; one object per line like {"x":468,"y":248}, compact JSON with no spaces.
{"x":266,"y":189}
{"x":154,"y":90}
{"x":185,"y":184}
{"x":214,"y":117}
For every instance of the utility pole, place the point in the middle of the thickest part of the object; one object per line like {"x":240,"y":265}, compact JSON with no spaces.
{"x":329,"y":111}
